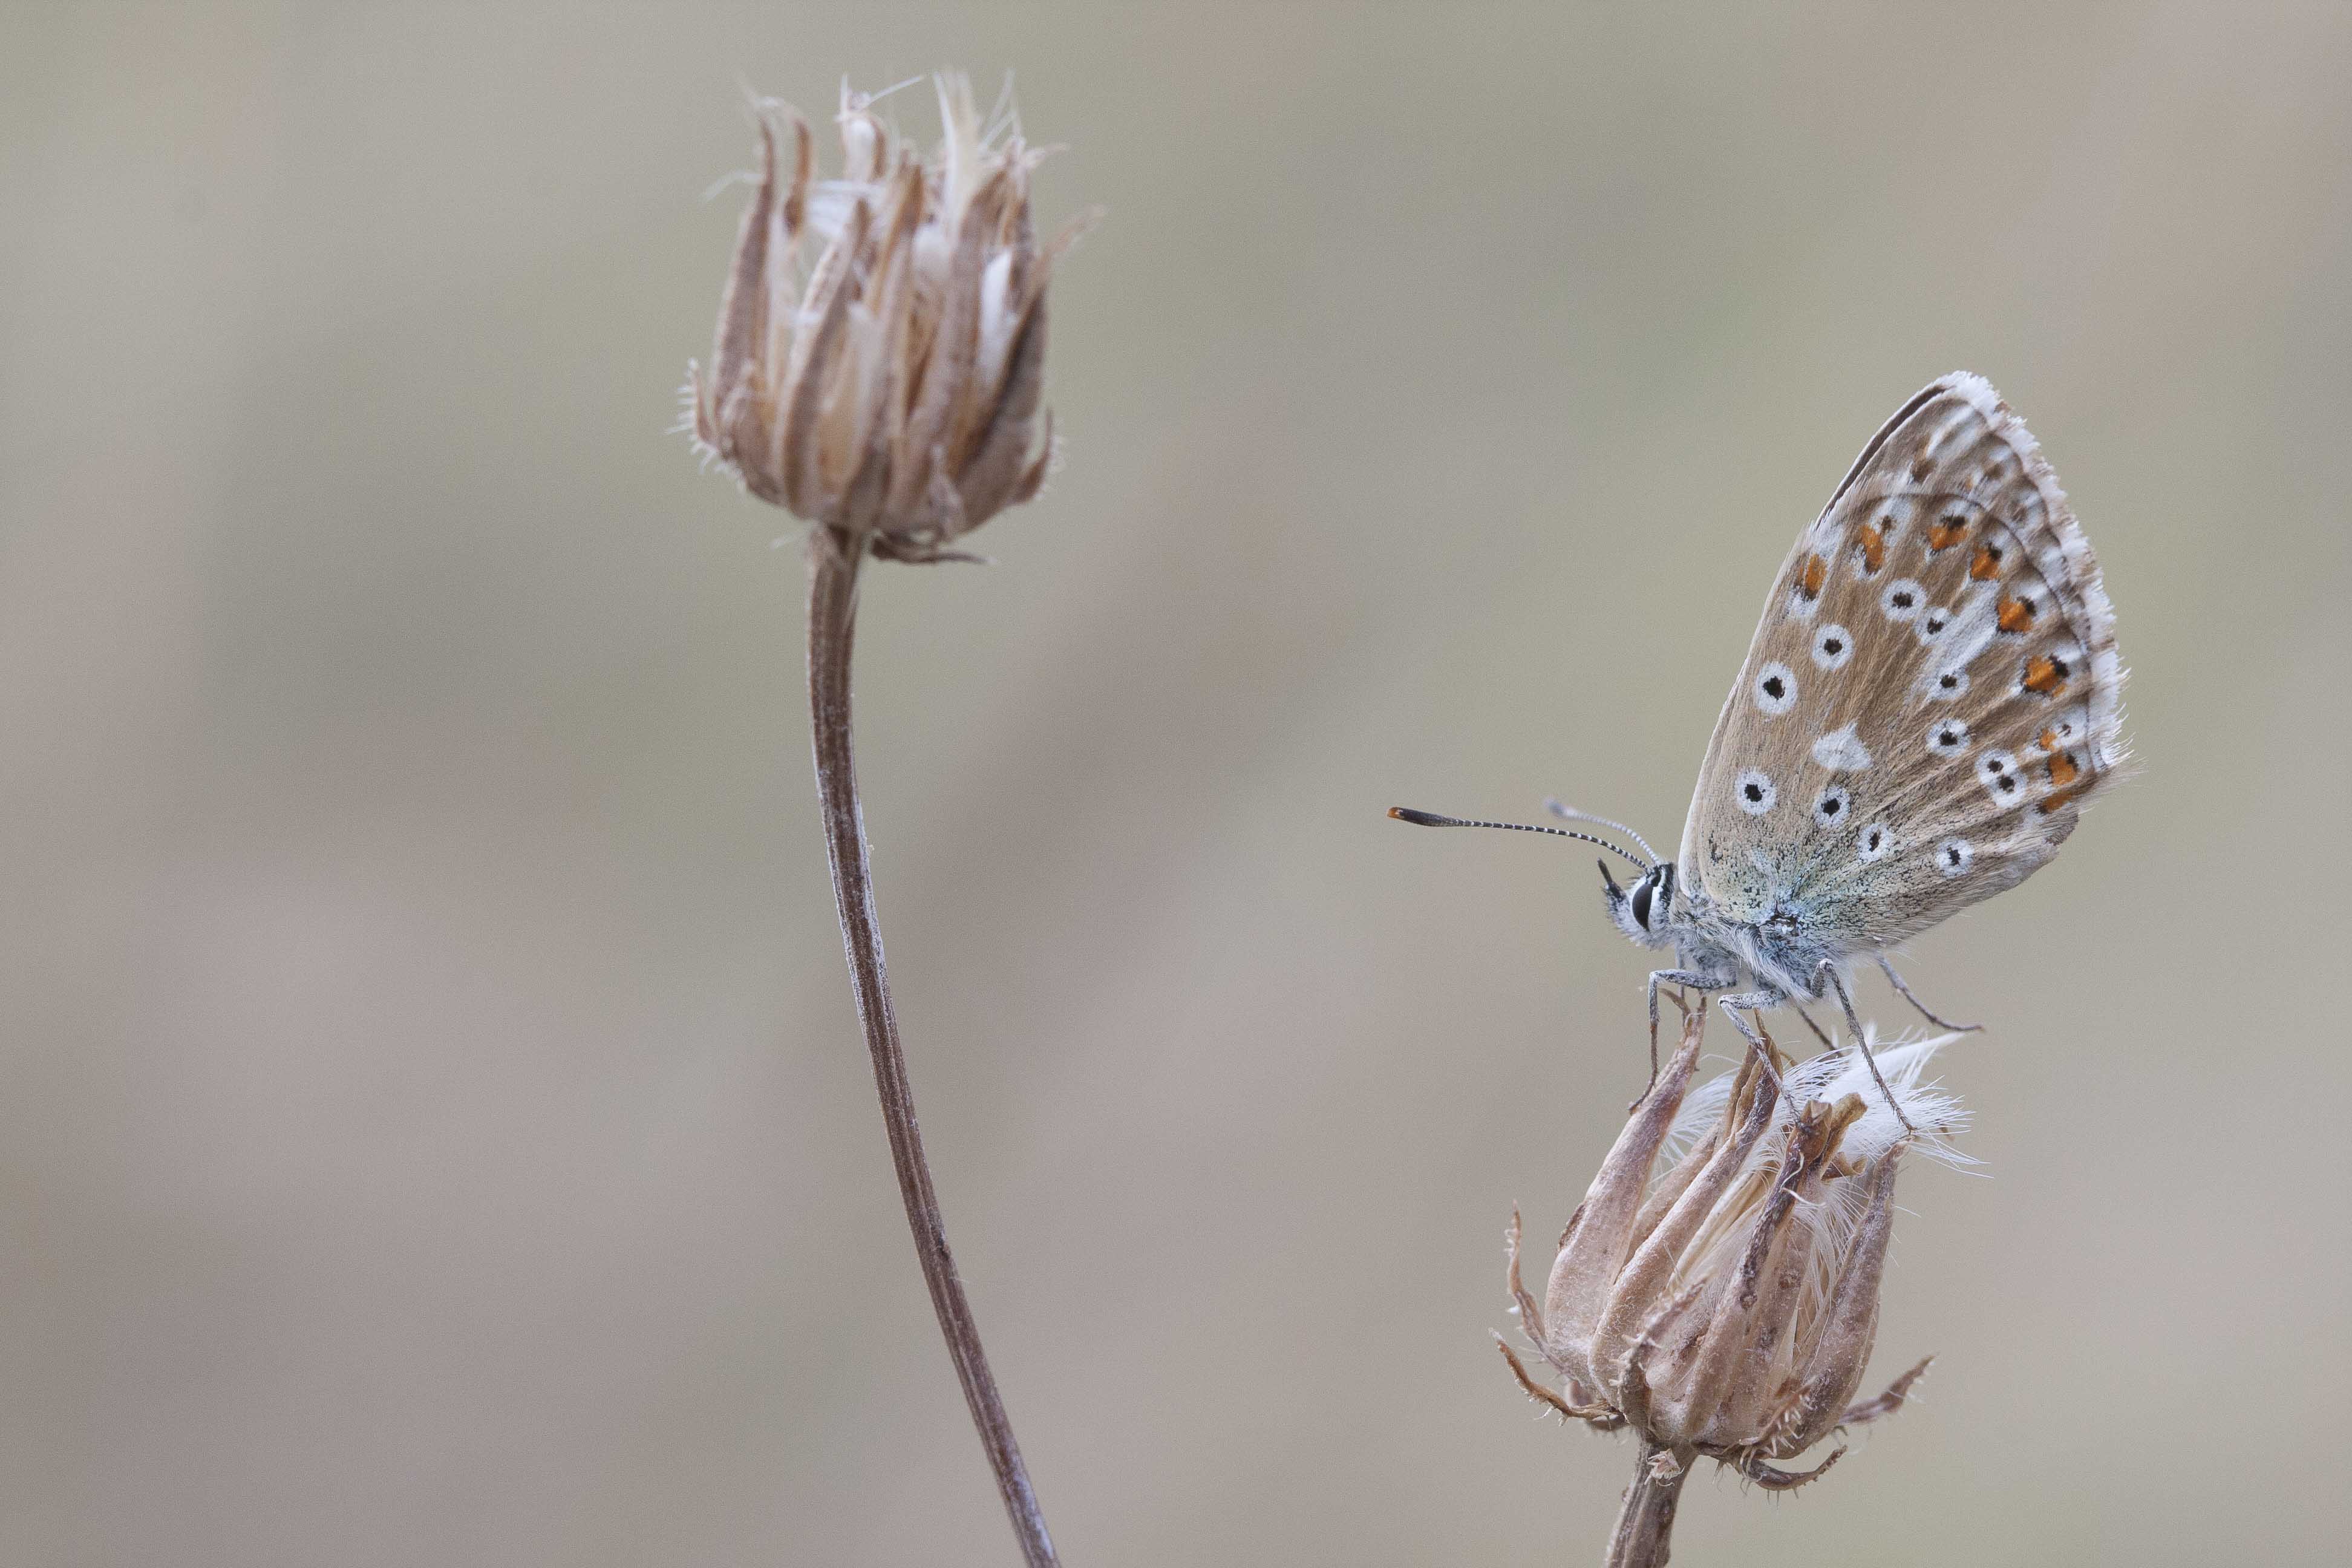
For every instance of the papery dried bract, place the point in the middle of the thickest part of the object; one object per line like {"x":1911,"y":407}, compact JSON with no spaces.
{"x":878,"y":368}
{"x":1725,"y":1301}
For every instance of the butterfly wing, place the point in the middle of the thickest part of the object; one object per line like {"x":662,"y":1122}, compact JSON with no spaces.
{"x":1933,"y":694}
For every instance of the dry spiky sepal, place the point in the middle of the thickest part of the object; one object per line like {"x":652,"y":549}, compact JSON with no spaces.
{"x":801,"y":397}
{"x":743,"y":306}
{"x":1599,"y":1417}
{"x":1771,"y":1279}
{"x":1531,"y":1318}
{"x":1666,"y":1191}
{"x":1691,"y":1390}
{"x":1888,"y":1401}
{"x":1033,"y":478}
{"x":1001,"y":453}
{"x":1751,"y":1464}
{"x":1601,"y":1235}
{"x":866,"y":144}
{"x":1849,"y":1328}
{"x":1632,"y":1389}
{"x":953,"y":348}
{"x":1747,"y":1402}
{"x":1646,"y":1276}
{"x":1772,"y":1290}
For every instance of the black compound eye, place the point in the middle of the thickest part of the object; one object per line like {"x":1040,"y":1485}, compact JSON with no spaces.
{"x":1642,"y":903}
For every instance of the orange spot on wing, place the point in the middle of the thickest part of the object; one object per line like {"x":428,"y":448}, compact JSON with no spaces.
{"x":1810,"y":581}
{"x":2063,"y":771}
{"x":2044,"y":674}
{"x":1874,"y":549}
{"x":2016,"y":614}
{"x":1947,"y":533}
{"x":1987,"y":565}
{"x":2048,"y":739}
{"x":2052,"y":803}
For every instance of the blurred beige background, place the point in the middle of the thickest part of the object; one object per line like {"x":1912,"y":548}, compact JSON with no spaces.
{"x":433,"y":1128}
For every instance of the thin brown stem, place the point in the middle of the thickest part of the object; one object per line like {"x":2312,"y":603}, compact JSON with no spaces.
{"x":831,"y":627}
{"x":1645,"y":1528}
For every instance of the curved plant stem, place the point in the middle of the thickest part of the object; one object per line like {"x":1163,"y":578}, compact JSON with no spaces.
{"x":1646,"y":1527}
{"x":832,"y":624}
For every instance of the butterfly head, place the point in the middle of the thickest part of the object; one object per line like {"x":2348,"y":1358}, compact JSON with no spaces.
{"x":1644,"y":912}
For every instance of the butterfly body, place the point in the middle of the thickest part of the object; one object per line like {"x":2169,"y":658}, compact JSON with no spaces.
{"x":1782,"y":944}
{"x":1931,"y":696}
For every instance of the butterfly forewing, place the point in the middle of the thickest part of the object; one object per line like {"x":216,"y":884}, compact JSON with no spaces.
{"x":1933,"y":692}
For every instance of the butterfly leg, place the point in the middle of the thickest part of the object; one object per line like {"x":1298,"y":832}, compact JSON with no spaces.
{"x":1939,"y":1023}
{"x":1862,"y":1043}
{"x":1751,"y":1027}
{"x":1698,"y":979}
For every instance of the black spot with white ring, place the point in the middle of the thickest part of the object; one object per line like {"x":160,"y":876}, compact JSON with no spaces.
{"x":1949,"y":738}
{"x":1834,"y":807}
{"x":1875,"y":842}
{"x":1954,"y":856}
{"x":1776,"y":690}
{"x":1832,"y":648}
{"x":1754,"y":793}
{"x":1903,"y":599}
{"x":1997,"y":771}
{"x":1948,"y":686}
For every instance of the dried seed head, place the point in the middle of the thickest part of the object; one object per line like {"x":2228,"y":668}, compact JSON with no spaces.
{"x":879,"y":364}
{"x":1717,"y":1289}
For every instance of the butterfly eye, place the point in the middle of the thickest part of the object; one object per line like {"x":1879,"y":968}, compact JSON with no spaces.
{"x":1642,"y":903}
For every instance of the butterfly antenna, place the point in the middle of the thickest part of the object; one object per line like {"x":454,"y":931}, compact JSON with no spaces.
{"x":1431,"y":819}
{"x":1569,"y":814}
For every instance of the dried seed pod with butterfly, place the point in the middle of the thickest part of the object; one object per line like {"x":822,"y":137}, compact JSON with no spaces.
{"x":1932,"y":695}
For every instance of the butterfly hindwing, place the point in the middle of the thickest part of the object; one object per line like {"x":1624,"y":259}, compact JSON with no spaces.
{"x":1933,"y":692}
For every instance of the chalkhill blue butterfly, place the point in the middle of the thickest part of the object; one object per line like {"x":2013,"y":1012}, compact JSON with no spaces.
{"x":1930,"y":699}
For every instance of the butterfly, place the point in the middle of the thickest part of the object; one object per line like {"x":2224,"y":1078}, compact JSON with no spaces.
{"x":1931,"y":698}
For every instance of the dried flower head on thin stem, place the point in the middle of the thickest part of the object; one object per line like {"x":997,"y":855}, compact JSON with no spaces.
{"x":879,"y":371}
{"x":1717,"y":1291}
{"x":879,"y":364}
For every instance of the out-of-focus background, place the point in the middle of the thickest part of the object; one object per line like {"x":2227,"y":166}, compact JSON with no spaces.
{"x":433,"y":1125}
